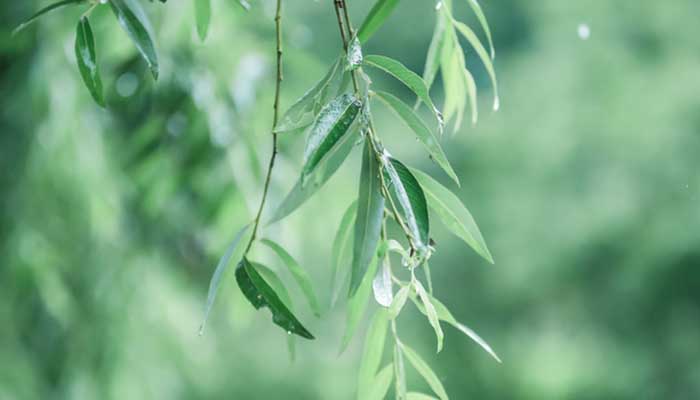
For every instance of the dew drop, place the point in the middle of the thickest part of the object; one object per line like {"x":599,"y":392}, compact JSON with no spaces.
{"x":584,"y":31}
{"x":438,"y":6}
{"x":496,"y":103}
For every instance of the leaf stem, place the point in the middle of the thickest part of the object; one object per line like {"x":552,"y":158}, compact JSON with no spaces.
{"x":275,"y":118}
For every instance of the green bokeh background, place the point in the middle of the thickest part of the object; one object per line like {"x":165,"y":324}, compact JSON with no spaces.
{"x":586,"y":185}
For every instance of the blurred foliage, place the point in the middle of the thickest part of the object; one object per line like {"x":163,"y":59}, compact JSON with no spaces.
{"x":586,"y":185}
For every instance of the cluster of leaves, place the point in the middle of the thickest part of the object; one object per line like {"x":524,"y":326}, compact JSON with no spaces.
{"x":335,"y":116}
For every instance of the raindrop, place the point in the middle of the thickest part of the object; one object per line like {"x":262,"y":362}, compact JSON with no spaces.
{"x":584,"y":31}
{"x":438,"y":6}
{"x":496,"y":103}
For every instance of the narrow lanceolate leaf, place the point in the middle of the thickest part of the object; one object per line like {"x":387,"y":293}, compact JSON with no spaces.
{"x":233,"y":251}
{"x":430,"y":313}
{"x":452,"y":80}
{"x":381,"y":384}
{"x":471,"y":92}
{"x":357,"y":305}
{"x":372,"y":353}
{"x":445,"y":315}
{"x":423,"y":133}
{"x":453,"y":214}
{"x":471,"y":37}
{"x":87,"y":60}
{"x":408,"y":197}
{"x":332,"y":123}
{"x":370,"y":208}
{"x":399,"y":301}
{"x":424,"y":370}
{"x":133,"y":20}
{"x":43,"y":11}
{"x":276,"y":284}
{"x":474,"y":4}
{"x":202,"y":14}
{"x":301,"y":114}
{"x":376,"y":18}
{"x":418,"y":396}
{"x":432,"y":59}
{"x":407,"y":77}
{"x":300,"y":275}
{"x":381,"y":285}
{"x":260,"y":294}
{"x":302,"y":192}
{"x":400,"y":374}
{"x":341,"y":246}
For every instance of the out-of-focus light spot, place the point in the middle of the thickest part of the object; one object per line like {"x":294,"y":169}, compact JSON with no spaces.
{"x":584,"y":31}
{"x":127,"y":84}
{"x":176,"y":124}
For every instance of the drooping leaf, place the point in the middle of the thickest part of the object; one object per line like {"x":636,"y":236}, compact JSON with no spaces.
{"x":418,"y":396}
{"x":399,"y":374}
{"x":426,"y":270}
{"x":409,"y":198}
{"x":382,"y":285}
{"x":407,"y":77}
{"x":43,"y":11}
{"x":474,"y":4}
{"x":372,"y":353}
{"x":260,"y":294}
{"x":453,"y":214}
{"x":332,"y":123}
{"x":471,"y":92}
{"x":471,"y":37}
{"x":300,"y":275}
{"x":451,"y":66}
{"x":368,"y":224}
{"x":202,"y":14}
{"x":233,"y":251}
{"x":423,"y":133}
{"x":302,"y":192}
{"x":134,"y":21}
{"x":432,"y":59}
{"x":399,"y":301}
{"x":301,"y":114}
{"x":376,"y":18}
{"x":341,"y":247}
{"x":430,"y":313}
{"x":276,"y":284}
{"x":381,"y":384}
{"x":357,"y":305}
{"x":87,"y":60}
{"x":424,"y":370}
{"x":445,"y":315}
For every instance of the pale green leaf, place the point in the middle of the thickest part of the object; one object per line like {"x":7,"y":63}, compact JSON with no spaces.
{"x":372,"y":353}
{"x":418,"y":396}
{"x":341,"y":246}
{"x":424,"y":370}
{"x":382,"y":285}
{"x":381,"y":384}
{"x":399,"y":374}
{"x":376,"y":18}
{"x":471,"y":37}
{"x":399,"y":301}
{"x":431,"y":313}
{"x":474,"y":4}
{"x":202,"y":13}
{"x":357,"y":305}
{"x":432,"y":59}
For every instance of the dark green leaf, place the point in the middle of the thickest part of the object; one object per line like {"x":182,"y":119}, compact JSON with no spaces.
{"x":87,"y":60}
{"x":453,"y":214}
{"x":302,"y":192}
{"x":43,"y":11}
{"x":332,"y":123}
{"x":202,"y":13}
{"x":424,"y":134}
{"x":424,"y":370}
{"x":341,"y":246}
{"x":376,"y":18}
{"x":260,"y":294}
{"x":372,"y":353}
{"x":134,"y":21}
{"x":370,"y":208}
{"x":276,"y":283}
{"x":300,"y":275}
{"x":409,"y":198}
{"x":232,"y":250}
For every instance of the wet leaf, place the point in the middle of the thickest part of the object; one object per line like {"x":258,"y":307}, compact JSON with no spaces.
{"x":260,"y":294}
{"x":382,"y":286}
{"x":376,"y":18}
{"x":424,"y":370}
{"x":456,"y":218}
{"x":202,"y":13}
{"x":409,"y":198}
{"x":300,"y":275}
{"x":134,"y":21}
{"x":372,"y":353}
{"x":87,"y":60}
{"x":43,"y":11}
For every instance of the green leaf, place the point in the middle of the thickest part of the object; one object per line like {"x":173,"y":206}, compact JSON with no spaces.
{"x":430,"y":313}
{"x":233,"y":251}
{"x":202,"y":14}
{"x":453,"y":214}
{"x":368,"y":224}
{"x":425,"y":371}
{"x":133,"y":20}
{"x":418,"y":396}
{"x":452,"y":78}
{"x":376,"y":18}
{"x":302,"y":192}
{"x":474,"y":4}
{"x":43,"y":11}
{"x":407,"y":77}
{"x":399,"y":301}
{"x":400,"y":374}
{"x":382,"y":285}
{"x":445,"y":315}
{"x":302,"y":113}
{"x":276,"y":284}
{"x":260,"y":294}
{"x":483,"y":54}
{"x":432,"y":59}
{"x":300,"y":275}
{"x":87,"y":60}
{"x":381,"y":384}
{"x":372,"y":353}
{"x":332,"y":123}
{"x":341,"y":246}
{"x":357,"y":305}
{"x":471,"y":92}
{"x":426,"y":137}
{"x":409,"y":198}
